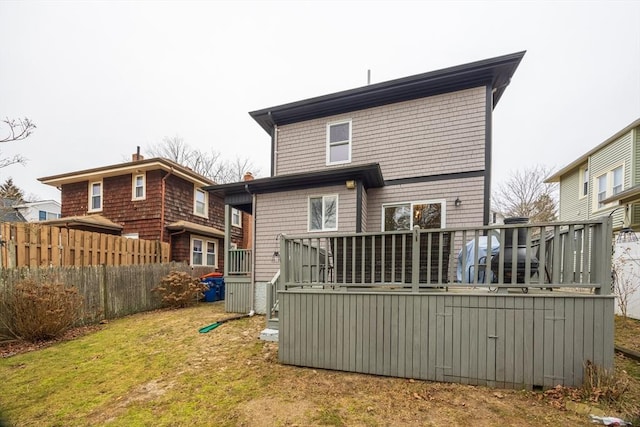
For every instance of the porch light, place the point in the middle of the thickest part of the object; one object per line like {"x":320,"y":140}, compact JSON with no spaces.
{"x":351,"y":184}
{"x":457,"y":202}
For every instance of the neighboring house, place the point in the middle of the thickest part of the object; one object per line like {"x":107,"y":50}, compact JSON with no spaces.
{"x":8,"y":213}
{"x":415,"y":151}
{"x":42,"y":210}
{"x":603,"y":179}
{"x":152,"y":199}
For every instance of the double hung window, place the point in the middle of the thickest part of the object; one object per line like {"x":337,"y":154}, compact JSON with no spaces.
{"x":323,"y":213}
{"x":339,"y":142}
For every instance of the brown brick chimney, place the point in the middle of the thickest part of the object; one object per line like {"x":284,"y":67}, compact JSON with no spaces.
{"x":136,"y":157}
{"x":248,"y":176}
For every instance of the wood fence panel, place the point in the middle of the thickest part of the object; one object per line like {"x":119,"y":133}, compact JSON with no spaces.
{"x":38,"y":245}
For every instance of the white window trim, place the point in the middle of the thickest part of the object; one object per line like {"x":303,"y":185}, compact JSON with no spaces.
{"x":328,"y":144}
{"x":90,"y":206}
{"x":443,"y":210}
{"x":609,"y":191}
{"x":239,"y":223}
{"x":144,"y":187}
{"x":323,"y":196}
{"x":204,"y":241}
{"x":195,"y":202}
{"x":581,"y":172}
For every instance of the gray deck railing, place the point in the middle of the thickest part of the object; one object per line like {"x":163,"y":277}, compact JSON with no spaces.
{"x":574,"y":254}
{"x":239,"y":262}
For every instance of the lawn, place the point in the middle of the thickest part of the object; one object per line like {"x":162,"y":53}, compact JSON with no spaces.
{"x":157,"y":369}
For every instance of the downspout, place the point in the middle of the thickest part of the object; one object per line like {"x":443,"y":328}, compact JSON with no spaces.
{"x":162,"y":196}
{"x":274,"y":151}
{"x":252,"y":281}
{"x":487,"y":154}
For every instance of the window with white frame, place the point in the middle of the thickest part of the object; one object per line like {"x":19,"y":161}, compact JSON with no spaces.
{"x":95,"y":196}
{"x":584,"y":182}
{"x":406,"y":215}
{"x":339,"y":142}
{"x":236,"y":217}
{"x":44,"y":215}
{"x":203,"y":252}
{"x":608,"y":184}
{"x":323,"y":213}
{"x":200,"y":203}
{"x":138,"y":191}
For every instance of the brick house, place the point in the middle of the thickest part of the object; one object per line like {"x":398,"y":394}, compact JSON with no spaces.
{"x":151,"y":199}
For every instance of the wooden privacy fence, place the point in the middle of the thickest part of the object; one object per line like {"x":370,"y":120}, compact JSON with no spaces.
{"x":39,"y":245}
{"x":108,"y":292}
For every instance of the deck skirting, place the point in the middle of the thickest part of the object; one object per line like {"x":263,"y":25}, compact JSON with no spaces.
{"x":498,"y":340}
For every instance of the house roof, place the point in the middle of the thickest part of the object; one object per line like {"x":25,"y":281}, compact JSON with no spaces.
{"x":195,"y":228}
{"x":496,"y":72}
{"x":585,"y":157}
{"x":90,"y":221}
{"x":127,"y":168}
{"x":238,"y":194}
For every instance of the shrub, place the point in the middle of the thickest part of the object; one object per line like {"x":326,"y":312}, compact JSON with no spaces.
{"x":178,"y":289}
{"x":37,"y":312}
{"x":602,"y":385}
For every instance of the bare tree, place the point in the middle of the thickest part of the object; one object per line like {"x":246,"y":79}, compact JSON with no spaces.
{"x":17,"y":130}
{"x":525,"y":194}
{"x":207,"y":163}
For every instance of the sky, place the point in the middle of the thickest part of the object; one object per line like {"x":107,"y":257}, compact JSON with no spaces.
{"x":100,"y":79}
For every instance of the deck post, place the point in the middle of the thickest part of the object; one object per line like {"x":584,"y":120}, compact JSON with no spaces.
{"x":415,"y":260}
{"x":606,"y":252}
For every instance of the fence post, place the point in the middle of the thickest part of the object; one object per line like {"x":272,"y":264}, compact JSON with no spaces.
{"x":606,"y":251}
{"x":415,"y":260}
{"x":103,"y":289}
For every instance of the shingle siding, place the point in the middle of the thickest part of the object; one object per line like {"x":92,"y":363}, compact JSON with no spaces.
{"x":469,"y":190}
{"x":286,"y":213}
{"x":435,"y":135}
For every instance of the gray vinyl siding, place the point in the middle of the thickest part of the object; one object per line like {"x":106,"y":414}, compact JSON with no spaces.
{"x":572,"y":206}
{"x":286,"y":213}
{"x":365,"y":209}
{"x":500,"y":341}
{"x":434,"y":135}
{"x":469,"y":190}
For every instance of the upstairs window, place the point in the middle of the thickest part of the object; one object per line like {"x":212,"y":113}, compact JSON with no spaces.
{"x":200,"y":203}
{"x":138,"y":191}
{"x":95,"y":196}
{"x":236,"y":218}
{"x":404,"y":216}
{"x":608,"y":184}
{"x":339,"y":142}
{"x":584,"y":182}
{"x":44,"y":215}
{"x":323,"y":213}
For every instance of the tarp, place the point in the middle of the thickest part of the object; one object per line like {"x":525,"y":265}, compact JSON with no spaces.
{"x":471,"y":257}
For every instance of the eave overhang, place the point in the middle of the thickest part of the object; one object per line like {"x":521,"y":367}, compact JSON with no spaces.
{"x":630,"y":195}
{"x":89,"y":221}
{"x":493,"y":72}
{"x":370,"y":175}
{"x":192,"y":227}
{"x":136,"y":167}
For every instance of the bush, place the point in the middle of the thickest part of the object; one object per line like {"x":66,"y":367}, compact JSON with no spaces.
{"x":602,"y":385}
{"x":37,"y":312}
{"x":178,"y":289}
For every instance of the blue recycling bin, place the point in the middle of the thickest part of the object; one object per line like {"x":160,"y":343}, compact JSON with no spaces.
{"x":216,"y":287}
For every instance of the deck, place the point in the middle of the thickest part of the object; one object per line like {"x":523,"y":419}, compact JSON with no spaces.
{"x":521,"y":305}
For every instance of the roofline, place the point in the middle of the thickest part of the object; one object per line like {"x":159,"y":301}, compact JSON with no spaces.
{"x":370,"y":174}
{"x":496,"y":72}
{"x":129,"y":167}
{"x":585,"y":157}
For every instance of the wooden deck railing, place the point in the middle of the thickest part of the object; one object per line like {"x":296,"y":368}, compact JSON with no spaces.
{"x":239,"y":262}
{"x":573,"y":254}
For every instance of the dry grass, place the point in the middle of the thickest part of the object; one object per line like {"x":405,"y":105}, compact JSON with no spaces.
{"x":156,"y":369}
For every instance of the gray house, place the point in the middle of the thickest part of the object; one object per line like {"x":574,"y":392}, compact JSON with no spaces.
{"x":358,"y":259}
{"x":383,"y":157}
